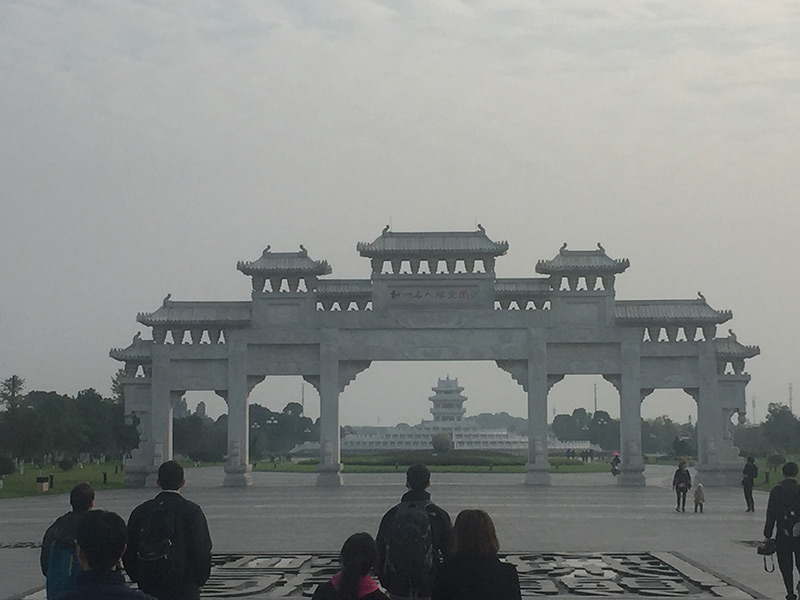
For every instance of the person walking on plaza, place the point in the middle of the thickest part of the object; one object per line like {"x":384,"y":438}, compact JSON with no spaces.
{"x":749,"y":474}
{"x":358,"y":557}
{"x":169,"y":546}
{"x":699,"y":497}
{"x":101,"y":539}
{"x":413,"y":539}
{"x":783,"y":514}
{"x":59,"y":555}
{"x":681,"y":483}
{"x":473,"y":571}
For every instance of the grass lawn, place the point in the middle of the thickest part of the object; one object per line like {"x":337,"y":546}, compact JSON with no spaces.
{"x":449,"y":462}
{"x":16,"y":485}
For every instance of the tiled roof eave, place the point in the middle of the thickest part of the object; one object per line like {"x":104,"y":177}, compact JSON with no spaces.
{"x":125,"y":354}
{"x":150,"y":320}
{"x":431,"y":252}
{"x":251,"y":269}
{"x":545,"y":268}
{"x":635,"y":321}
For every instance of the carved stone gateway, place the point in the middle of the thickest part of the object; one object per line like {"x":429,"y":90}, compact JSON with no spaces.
{"x":435,"y":296}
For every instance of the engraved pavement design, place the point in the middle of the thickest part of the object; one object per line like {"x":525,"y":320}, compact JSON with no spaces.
{"x":601,"y":575}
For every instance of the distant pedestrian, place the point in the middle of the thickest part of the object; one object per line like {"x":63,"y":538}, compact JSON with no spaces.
{"x":413,"y":539}
{"x":783,"y":513}
{"x":169,"y":547}
{"x":699,"y":497}
{"x":749,"y":474}
{"x":473,"y":571}
{"x":101,"y":539}
{"x":357,"y":559}
{"x":59,"y":555}
{"x":681,"y":483}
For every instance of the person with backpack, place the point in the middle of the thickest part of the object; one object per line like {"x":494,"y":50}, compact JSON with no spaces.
{"x":749,"y":474}
{"x":681,"y":483}
{"x":783,"y":513}
{"x":169,"y":546}
{"x":358,"y":558}
{"x":59,"y":555}
{"x":413,"y":539}
{"x":473,"y":571}
{"x":101,"y":539}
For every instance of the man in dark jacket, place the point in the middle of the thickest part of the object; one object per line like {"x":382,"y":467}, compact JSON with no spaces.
{"x":418,"y":478}
{"x":101,"y":541}
{"x":749,"y":474}
{"x":175,"y":563}
{"x":783,"y":510}
{"x":59,"y":544}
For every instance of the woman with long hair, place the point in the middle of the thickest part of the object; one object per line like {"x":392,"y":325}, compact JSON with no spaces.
{"x":353,"y":582}
{"x":473,"y":571}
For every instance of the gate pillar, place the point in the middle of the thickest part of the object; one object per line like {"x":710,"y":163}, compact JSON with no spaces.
{"x":629,"y":385}
{"x":237,"y":467}
{"x":537,"y":469}
{"x":329,"y":472}
{"x":160,"y":438}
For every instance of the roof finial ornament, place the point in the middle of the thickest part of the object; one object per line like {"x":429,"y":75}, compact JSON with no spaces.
{"x":700,"y":296}
{"x":166,"y":302}
{"x":303,"y":250}
{"x":563,"y":248}
{"x":266,"y":251}
{"x":601,"y":249}
{"x":731,"y":335}
{"x":385,"y":230}
{"x":137,"y":337}
{"x":481,"y":228}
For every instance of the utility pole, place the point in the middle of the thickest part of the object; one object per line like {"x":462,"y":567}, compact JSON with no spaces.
{"x":753,"y":412}
{"x":595,"y":397}
{"x":791,"y":408}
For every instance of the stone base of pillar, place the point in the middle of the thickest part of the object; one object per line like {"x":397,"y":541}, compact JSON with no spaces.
{"x":329,"y":475}
{"x":151,"y":480}
{"x":631,"y":478}
{"x":135,"y":477}
{"x":237,"y":479}
{"x":729,"y":475}
{"x":534,"y":475}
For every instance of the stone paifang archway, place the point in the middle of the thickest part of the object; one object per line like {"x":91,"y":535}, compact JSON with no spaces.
{"x":435,"y":296}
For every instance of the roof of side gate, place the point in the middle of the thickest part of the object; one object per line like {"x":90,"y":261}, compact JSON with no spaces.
{"x":421,"y":243}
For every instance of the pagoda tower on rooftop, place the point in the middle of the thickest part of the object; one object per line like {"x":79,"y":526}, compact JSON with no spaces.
{"x":448,"y":403}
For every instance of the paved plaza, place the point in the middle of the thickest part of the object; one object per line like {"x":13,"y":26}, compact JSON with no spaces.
{"x":582,"y":517}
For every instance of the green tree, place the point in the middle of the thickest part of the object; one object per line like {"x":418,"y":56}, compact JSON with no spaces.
{"x":781,"y":429}
{"x":11,"y":390}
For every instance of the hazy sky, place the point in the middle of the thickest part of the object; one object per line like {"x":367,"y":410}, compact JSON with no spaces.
{"x":148,"y":146}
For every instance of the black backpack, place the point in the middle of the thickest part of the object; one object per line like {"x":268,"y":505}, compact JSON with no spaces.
{"x":161,"y":555}
{"x":789,"y":522}
{"x":409,"y":553}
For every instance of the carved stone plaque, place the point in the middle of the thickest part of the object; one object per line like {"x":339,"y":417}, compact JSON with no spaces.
{"x":568,"y":575}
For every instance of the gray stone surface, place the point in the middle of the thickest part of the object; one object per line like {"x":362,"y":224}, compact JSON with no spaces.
{"x":578,"y":513}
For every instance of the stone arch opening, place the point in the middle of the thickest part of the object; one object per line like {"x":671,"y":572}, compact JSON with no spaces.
{"x":584,"y":416}
{"x":669,"y":424}
{"x":200,"y":427}
{"x":407,"y":416}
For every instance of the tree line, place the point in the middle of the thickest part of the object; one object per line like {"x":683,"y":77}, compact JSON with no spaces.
{"x":778,"y":435}
{"x":48,"y":427}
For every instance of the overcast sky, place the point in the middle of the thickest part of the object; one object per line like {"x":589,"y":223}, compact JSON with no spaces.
{"x":148,"y":146}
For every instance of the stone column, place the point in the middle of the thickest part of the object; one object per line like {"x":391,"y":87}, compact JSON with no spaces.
{"x":537,"y":469}
{"x":237,"y":467}
{"x":718,"y":461}
{"x":630,"y":419}
{"x":329,"y":472}
{"x":160,"y":421}
{"x":137,"y":406}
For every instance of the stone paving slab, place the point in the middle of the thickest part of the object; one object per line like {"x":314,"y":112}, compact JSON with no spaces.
{"x":579,"y":514}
